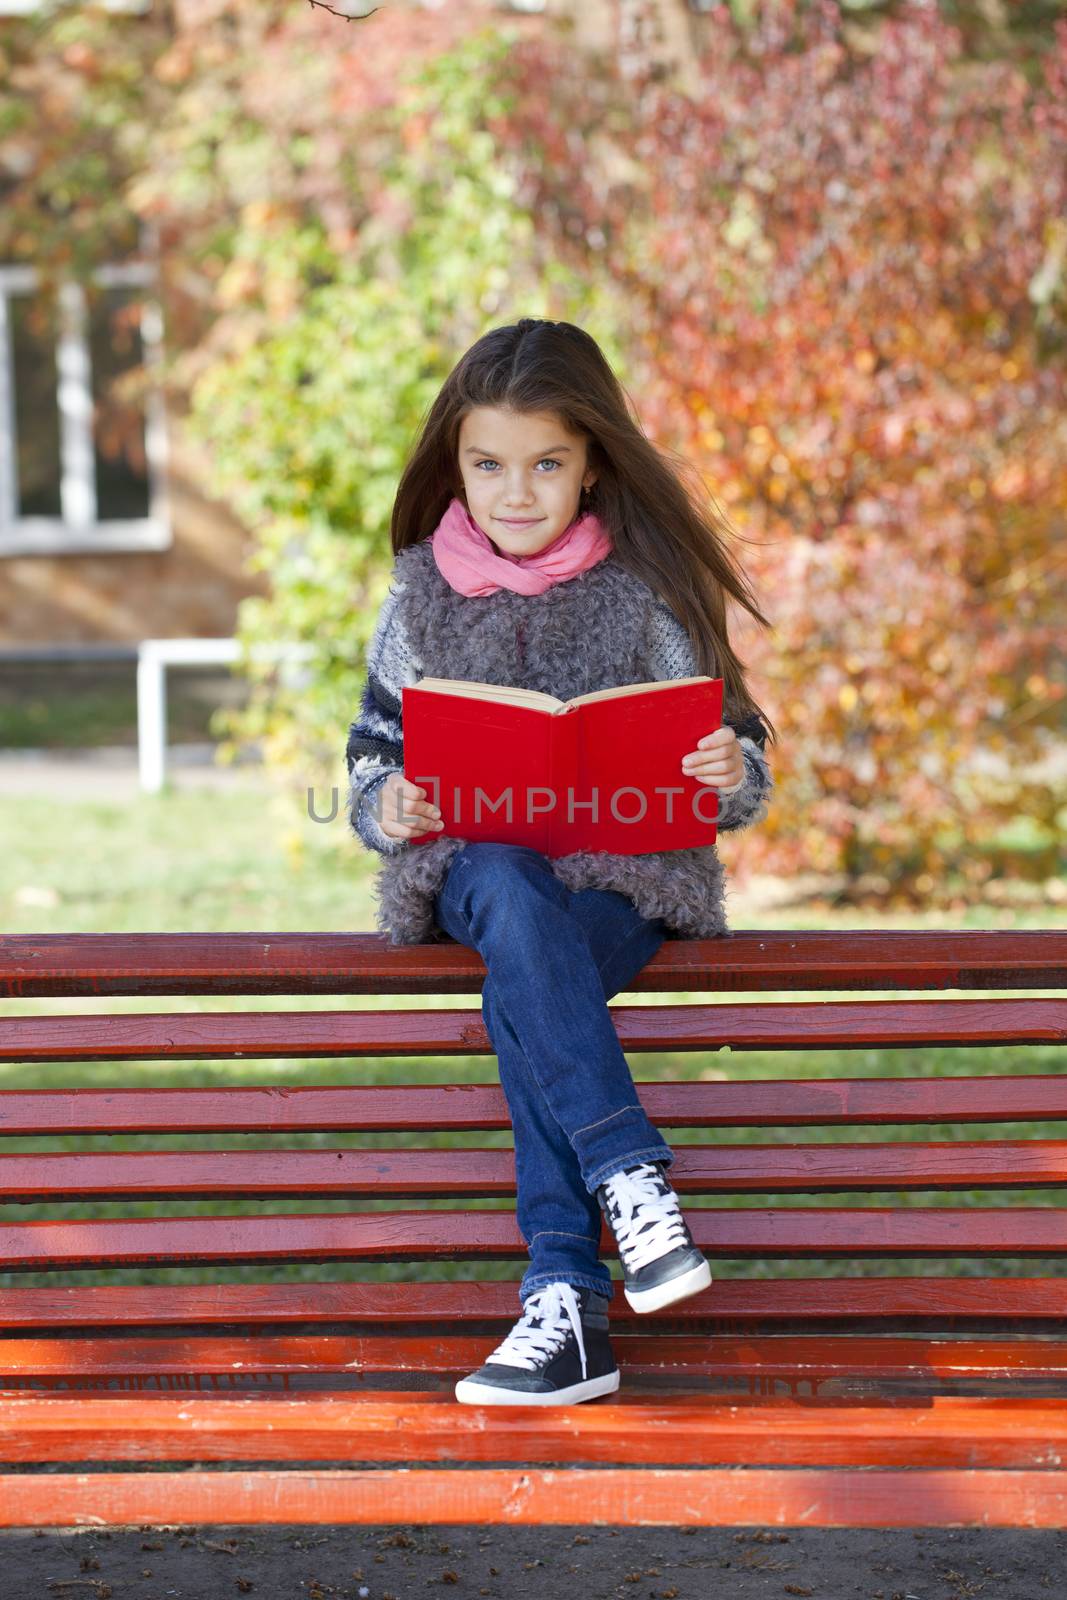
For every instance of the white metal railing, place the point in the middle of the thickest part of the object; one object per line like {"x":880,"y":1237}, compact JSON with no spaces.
{"x":154,"y":656}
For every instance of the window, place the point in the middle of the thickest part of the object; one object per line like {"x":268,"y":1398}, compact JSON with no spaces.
{"x":22,"y":8}
{"x":81,"y":468}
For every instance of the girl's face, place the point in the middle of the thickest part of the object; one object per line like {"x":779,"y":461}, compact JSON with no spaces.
{"x":522,"y":475}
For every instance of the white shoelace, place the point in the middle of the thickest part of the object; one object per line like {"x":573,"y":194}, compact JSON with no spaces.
{"x":646,"y":1222}
{"x":527,"y":1346}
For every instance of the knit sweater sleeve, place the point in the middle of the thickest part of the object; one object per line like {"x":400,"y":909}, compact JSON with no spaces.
{"x":671,"y":656}
{"x":376,"y":736}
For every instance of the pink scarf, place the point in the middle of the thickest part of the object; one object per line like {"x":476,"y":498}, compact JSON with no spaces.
{"x":466,"y":558}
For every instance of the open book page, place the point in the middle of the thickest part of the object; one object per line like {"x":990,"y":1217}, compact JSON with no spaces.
{"x":538,"y":701}
{"x":634,"y":688}
{"x":493,"y":691}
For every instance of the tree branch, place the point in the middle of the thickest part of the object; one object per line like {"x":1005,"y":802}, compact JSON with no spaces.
{"x":344,"y":15}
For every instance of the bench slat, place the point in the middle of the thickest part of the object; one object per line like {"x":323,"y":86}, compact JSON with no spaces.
{"x":411,"y":1108}
{"x":792,"y":1357}
{"x":729,"y":1302}
{"x":847,"y":1025}
{"x":653,"y":1497}
{"x":366,"y":963}
{"x":942,"y":1431}
{"x":404,"y":1235}
{"x":470,"y":1173}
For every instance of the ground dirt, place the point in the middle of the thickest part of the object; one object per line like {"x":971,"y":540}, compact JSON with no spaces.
{"x":534,"y":1564}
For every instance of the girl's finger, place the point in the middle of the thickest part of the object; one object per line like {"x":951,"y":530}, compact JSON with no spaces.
{"x":715,"y":775}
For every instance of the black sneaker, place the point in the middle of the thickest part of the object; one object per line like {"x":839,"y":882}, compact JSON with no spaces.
{"x":660,"y":1262}
{"x":555,"y":1355}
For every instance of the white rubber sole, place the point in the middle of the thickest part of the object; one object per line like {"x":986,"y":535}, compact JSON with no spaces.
{"x":665,"y":1294}
{"x":470,"y":1393}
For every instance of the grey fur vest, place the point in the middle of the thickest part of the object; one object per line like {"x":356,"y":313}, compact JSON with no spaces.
{"x":591,"y":632}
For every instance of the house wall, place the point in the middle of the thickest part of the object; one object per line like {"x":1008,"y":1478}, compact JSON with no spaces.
{"x":191,"y":589}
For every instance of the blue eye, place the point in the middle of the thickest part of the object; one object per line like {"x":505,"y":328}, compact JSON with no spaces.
{"x":489,"y":462}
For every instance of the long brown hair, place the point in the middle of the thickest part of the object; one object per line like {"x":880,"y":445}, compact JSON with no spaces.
{"x":670,"y":535}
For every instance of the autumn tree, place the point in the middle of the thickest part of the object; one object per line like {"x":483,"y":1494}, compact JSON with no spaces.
{"x":832,"y":276}
{"x":847,"y":286}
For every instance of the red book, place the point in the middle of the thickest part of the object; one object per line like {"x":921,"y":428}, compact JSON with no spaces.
{"x":600,"y":772}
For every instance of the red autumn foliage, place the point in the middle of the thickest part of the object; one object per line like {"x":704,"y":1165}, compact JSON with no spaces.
{"x":847,"y":284}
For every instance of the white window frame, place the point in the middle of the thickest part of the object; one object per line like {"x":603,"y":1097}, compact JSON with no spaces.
{"x":25,"y":8}
{"x":77,"y":531}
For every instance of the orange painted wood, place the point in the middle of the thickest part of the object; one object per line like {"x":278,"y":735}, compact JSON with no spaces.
{"x":664,"y":1497}
{"x":729,"y":1303}
{"x":793,"y":1356}
{"x":940,"y":1431}
{"x":782,"y":1102}
{"x":467,"y":1172}
{"x":492,"y":1235}
{"x":844,"y":1025}
{"x":366,"y":963}
{"x":938,"y":1461}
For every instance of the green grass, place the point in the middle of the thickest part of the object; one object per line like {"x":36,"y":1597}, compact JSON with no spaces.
{"x":249,"y":858}
{"x":227,"y":860}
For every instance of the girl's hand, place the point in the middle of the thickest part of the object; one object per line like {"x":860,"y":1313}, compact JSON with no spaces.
{"x":403,"y":799}
{"x":717,"y":760}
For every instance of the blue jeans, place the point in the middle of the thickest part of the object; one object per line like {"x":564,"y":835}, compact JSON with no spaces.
{"x":553,"y":959}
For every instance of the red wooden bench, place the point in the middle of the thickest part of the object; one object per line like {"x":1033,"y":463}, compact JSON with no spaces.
{"x":816,"y":1400}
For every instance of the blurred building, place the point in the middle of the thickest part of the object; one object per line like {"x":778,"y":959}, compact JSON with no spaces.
{"x":107,"y":532}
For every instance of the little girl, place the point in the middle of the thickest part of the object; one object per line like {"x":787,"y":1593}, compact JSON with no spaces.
{"x":541,"y":540}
